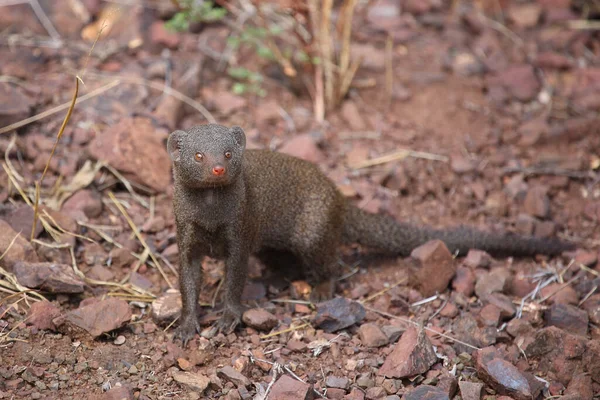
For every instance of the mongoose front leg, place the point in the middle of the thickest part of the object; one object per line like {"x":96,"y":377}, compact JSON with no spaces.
{"x":236,"y":272}
{"x":190,"y":280}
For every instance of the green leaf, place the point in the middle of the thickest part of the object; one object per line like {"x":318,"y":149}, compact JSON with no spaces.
{"x":239,"y":73}
{"x":238,"y":88}
{"x":265,"y":52}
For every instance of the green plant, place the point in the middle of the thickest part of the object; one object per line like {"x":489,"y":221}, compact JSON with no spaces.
{"x":247,"y":81}
{"x":194,"y":11}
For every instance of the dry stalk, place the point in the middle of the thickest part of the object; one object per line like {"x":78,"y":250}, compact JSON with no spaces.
{"x":137,"y":234}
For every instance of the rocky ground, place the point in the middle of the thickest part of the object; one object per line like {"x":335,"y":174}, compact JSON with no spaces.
{"x":499,"y":107}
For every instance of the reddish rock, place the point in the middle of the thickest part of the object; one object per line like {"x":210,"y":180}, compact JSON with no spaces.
{"x":492,"y":282}
{"x":580,"y":387}
{"x":504,"y":304}
{"x":544,"y":229}
{"x":194,"y":381}
{"x":449,"y":311}
{"x":592,"y":306}
{"x":230,"y":374}
{"x":355,"y":394}
{"x":557,"y":352}
{"x":591,"y":359}
{"x":478,"y":259}
{"x":260,"y":319}
{"x":490,"y":315}
{"x":448,"y":383}
{"x":470,"y":390}
{"x":553,"y":60}
{"x":375,"y":393}
{"x":49,"y":277}
{"x":525,"y":16}
{"x":303,"y":146}
{"x":464,"y":281}
{"x":41,"y":314}
{"x":351,"y":114}
{"x":97,"y":317}
{"x":560,"y":294}
{"x":333,"y":393}
{"x":531,"y":132}
{"x":160,"y":35}
{"x":412,"y":355}
{"x":227,"y":103}
{"x":14,"y":104}
{"x":337,"y":382}
{"x":568,"y":318}
{"x":21,"y":220}
{"x":461,"y":164}
{"x":518,"y":81}
{"x":426,"y":392}
{"x":501,"y":375}
{"x":167,"y":306}
{"x":536,"y":202}
{"x":121,"y":257}
{"x":287,"y":388}
{"x":372,"y":336}
{"x":587,"y":258}
{"x":434,"y":268}
{"x":115,"y":393}
{"x":14,"y":246}
{"x":134,"y":147}
{"x":518,"y":327}
{"x":84,"y":200}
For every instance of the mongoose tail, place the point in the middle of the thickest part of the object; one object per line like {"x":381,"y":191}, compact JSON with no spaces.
{"x":385,"y":234}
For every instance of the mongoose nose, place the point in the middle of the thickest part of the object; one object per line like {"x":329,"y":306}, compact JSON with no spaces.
{"x":218,"y":170}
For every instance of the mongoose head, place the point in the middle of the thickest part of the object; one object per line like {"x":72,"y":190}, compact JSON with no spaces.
{"x":207,"y":156}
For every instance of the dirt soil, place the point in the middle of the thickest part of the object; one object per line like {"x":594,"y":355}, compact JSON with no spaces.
{"x":500,"y":111}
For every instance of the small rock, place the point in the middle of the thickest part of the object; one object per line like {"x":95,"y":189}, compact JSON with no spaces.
{"x":100,"y":316}
{"x":504,"y":304}
{"x":470,"y":390}
{"x":580,"y":387}
{"x":117,"y":393}
{"x":518,"y":327}
{"x":587,"y":258}
{"x":525,"y":16}
{"x":449,"y":311}
{"x":461,"y":164}
{"x":355,"y":394}
{"x":412,"y":355}
{"x":478,"y":259}
{"x":337,"y":314}
{"x":84,"y":200}
{"x":288,"y":388}
{"x":464,"y":281}
{"x":376,"y":392}
{"x":14,"y":104}
{"x":553,"y":60}
{"x":567,"y":317}
{"x":494,"y":281}
{"x":592,"y":306}
{"x":15,"y":247}
{"x":41,"y":314}
{"x":426,"y":392}
{"x":226,"y":102}
{"x":351,"y":114}
{"x":192,"y":380}
{"x":501,"y":375}
{"x":372,"y":336}
{"x":233,"y":376}
{"x":531,"y":132}
{"x":21,"y":220}
{"x":560,"y":294}
{"x":544,"y":229}
{"x":259,"y":319}
{"x":536,"y":202}
{"x":121,"y":257}
{"x":134,"y":147}
{"x":303,"y":146}
{"x":159,"y":34}
{"x":154,"y":225}
{"x":448,"y":383}
{"x":337,"y":382}
{"x":490,"y":315}
{"x":50,"y":277}
{"x":167,"y":306}
{"x":393,"y":332}
{"x":119,"y":340}
{"x":333,"y":393}
{"x":519,"y":81}
{"x":434,"y":267}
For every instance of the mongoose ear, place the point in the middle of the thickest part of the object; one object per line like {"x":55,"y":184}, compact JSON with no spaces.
{"x":173,"y":144}
{"x":239,"y":135}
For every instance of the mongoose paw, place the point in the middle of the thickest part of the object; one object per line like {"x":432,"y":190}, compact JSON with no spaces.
{"x":186,"y":330}
{"x":231,"y":318}
{"x":323,"y":291}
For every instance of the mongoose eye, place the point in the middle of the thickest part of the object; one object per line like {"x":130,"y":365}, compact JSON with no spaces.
{"x":227,"y":154}
{"x":199,"y":156}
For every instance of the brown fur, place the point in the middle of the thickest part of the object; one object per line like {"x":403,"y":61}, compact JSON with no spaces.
{"x":269,"y":204}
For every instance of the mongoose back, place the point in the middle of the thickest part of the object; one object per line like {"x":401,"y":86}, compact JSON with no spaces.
{"x":230,"y":202}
